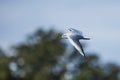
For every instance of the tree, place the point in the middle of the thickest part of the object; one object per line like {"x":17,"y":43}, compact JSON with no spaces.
{"x":91,"y":69}
{"x":40,"y":54}
{"x":4,"y":61}
{"x":44,"y":56}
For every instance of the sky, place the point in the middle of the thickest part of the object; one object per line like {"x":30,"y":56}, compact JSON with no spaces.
{"x":97,"y":19}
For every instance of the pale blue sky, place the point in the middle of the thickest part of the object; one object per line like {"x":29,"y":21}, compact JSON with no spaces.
{"x":99,"y":20}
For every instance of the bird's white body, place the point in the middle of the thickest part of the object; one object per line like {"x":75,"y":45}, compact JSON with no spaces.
{"x":74,"y":36}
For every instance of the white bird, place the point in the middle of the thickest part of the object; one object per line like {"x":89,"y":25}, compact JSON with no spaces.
{"x":74,"y":36}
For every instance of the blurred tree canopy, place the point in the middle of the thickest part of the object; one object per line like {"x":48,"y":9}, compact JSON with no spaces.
{"x":45,"y":56}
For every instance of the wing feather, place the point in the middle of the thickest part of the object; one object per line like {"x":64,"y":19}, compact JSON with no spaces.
{"x":77,"y":45}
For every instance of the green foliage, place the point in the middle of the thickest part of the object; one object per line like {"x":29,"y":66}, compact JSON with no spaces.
{"x":40,"y":53}
{"x":44,"y":56}
{"x":4,"y":61}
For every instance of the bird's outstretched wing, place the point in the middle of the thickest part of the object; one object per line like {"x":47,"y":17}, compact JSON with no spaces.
{"x":77,"y":45}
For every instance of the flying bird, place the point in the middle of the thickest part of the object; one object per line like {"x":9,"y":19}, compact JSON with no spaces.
{"x":74,"y":36}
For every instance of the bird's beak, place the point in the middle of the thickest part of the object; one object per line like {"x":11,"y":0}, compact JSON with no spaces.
{"x":86,"y":38}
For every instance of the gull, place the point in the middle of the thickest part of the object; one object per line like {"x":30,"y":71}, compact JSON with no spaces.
{"x":74,"y":36}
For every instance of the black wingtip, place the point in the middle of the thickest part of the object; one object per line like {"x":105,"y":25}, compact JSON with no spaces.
{"x":85,"y":56}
